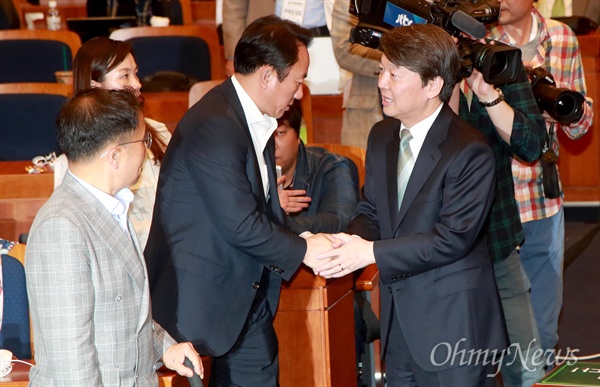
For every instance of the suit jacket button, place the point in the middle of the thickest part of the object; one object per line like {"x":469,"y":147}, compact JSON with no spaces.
{"x":256,"y":285}
{"x":390,"y":289}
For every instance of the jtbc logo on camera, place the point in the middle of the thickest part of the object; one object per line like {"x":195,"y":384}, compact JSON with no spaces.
{"x":396,"y":16}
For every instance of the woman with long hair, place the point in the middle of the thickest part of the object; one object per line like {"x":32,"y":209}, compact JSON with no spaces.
{"x":110,"y":64}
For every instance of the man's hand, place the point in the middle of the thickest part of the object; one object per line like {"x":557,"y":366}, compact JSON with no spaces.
{"x":484,"y":91}
{"x":176,"y":354}
{"x":350,"y":253}
{"x":294,"y":200}
{"x":315,"y":244}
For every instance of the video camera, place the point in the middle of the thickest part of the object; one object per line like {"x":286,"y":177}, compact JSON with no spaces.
{"x":498,"y":63}
{"x":564,"y":105}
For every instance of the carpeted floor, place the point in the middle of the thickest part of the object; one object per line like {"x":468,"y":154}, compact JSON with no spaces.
{"x":579,"y":325}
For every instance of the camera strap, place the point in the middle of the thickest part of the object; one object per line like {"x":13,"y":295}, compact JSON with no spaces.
{"x":549,"y":170}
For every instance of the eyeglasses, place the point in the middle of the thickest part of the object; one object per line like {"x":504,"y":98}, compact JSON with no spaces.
{"x":147,"y":142}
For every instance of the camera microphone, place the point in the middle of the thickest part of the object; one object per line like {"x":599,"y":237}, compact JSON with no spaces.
{"x":468,"y":24}
{"x":460,"y":20}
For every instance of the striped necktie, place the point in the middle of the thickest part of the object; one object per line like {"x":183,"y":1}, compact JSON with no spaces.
{"x":405,"y":163}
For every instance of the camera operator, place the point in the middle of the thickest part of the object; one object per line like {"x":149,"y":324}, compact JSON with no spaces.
{"x":551,"y":44}
{"x":508,"y":116}
{"x":362,"y":103}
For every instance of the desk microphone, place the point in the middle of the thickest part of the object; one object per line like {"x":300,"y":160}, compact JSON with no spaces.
{"x":195,"y":380}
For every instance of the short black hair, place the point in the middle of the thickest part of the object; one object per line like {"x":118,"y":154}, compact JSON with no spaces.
{"x":427,"y":50}
{"x":272,"y":41}
{"x":292,"y":117}
{"x":95,"y":117}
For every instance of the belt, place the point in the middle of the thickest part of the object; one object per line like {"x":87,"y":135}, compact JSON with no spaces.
{"x":320,"y":31}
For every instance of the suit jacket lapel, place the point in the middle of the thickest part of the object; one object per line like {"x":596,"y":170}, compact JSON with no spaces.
{"x":233,"y":99}
{"x":428,"y":158}
{"x":391,"y":160}
{"x":275,"y":206}
{"x":145,"y":299}
{"x":119,"y":243}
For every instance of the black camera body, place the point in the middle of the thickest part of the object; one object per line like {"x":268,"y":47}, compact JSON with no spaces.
{"x":499,"y":63}
{"x":564,"y":105}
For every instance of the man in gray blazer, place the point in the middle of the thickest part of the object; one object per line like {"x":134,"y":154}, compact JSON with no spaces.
{"x":86,"y":277}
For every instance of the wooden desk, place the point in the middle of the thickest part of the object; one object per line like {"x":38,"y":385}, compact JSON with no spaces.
{"x":19,"y":377}
{"x":21,"y":196}
{"x":315,"y":329}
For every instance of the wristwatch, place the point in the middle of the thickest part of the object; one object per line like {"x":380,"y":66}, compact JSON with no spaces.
{"x":494,"y":102}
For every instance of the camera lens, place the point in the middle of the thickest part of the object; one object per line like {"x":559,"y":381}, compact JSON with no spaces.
{"x":568,"y":106}
{"x":498,"y":64}
{"x":565,"y":104}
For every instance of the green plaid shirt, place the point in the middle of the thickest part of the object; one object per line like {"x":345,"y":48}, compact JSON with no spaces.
{"x":505,"y":232}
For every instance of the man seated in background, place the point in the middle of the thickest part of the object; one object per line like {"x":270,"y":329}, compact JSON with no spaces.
{"x":86,"y":277}
{"x":317,"y":189}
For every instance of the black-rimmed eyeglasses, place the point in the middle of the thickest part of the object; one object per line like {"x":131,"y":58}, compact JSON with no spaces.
{"x":147,"y":142}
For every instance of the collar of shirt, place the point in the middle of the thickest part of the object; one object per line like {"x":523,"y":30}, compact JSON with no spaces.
{"x":419,"y":131}
{"x":498,"y":32}
{"x":261,"y":128}
{"x":117,"y":205}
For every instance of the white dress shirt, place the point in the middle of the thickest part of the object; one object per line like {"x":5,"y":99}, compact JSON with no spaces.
{"x":419,"y":132}
{"x":261,"y":129}
{"x":117,"y":205}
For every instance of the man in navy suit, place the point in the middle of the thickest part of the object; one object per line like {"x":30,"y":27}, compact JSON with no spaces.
{"x":427,"y":194}
{"x":218,"y":247}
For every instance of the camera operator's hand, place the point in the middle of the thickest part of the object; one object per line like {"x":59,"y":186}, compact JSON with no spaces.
{"x":484,"y":91}
{"x":501,"y":114}
{"x":548,"y":118}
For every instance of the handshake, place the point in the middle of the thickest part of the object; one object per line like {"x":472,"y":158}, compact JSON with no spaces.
{"x":335,"y":255}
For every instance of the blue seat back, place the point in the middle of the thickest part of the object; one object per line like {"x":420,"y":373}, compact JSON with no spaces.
{"x":28,"y":125}
{"x":184,"y":54}
{"x":25,"y":60}
{"x":15,"y":332}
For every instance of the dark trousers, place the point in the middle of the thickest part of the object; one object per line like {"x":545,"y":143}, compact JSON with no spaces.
{"x":403,"y":370}
{"x":253,"y":359}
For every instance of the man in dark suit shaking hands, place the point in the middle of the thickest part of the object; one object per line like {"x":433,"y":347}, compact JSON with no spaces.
{"x":428,"y":191}
{"x":218,"y":248}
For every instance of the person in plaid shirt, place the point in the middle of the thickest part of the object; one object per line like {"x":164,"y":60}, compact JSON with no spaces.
{"x":551,"y":44}
{"x":514,"y":127}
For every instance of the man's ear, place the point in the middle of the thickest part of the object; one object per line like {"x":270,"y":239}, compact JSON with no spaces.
{"x":434,"y":87}
{"x":114,"y":157}
{"x":95,"y":84}
{"x":267,"y":74}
